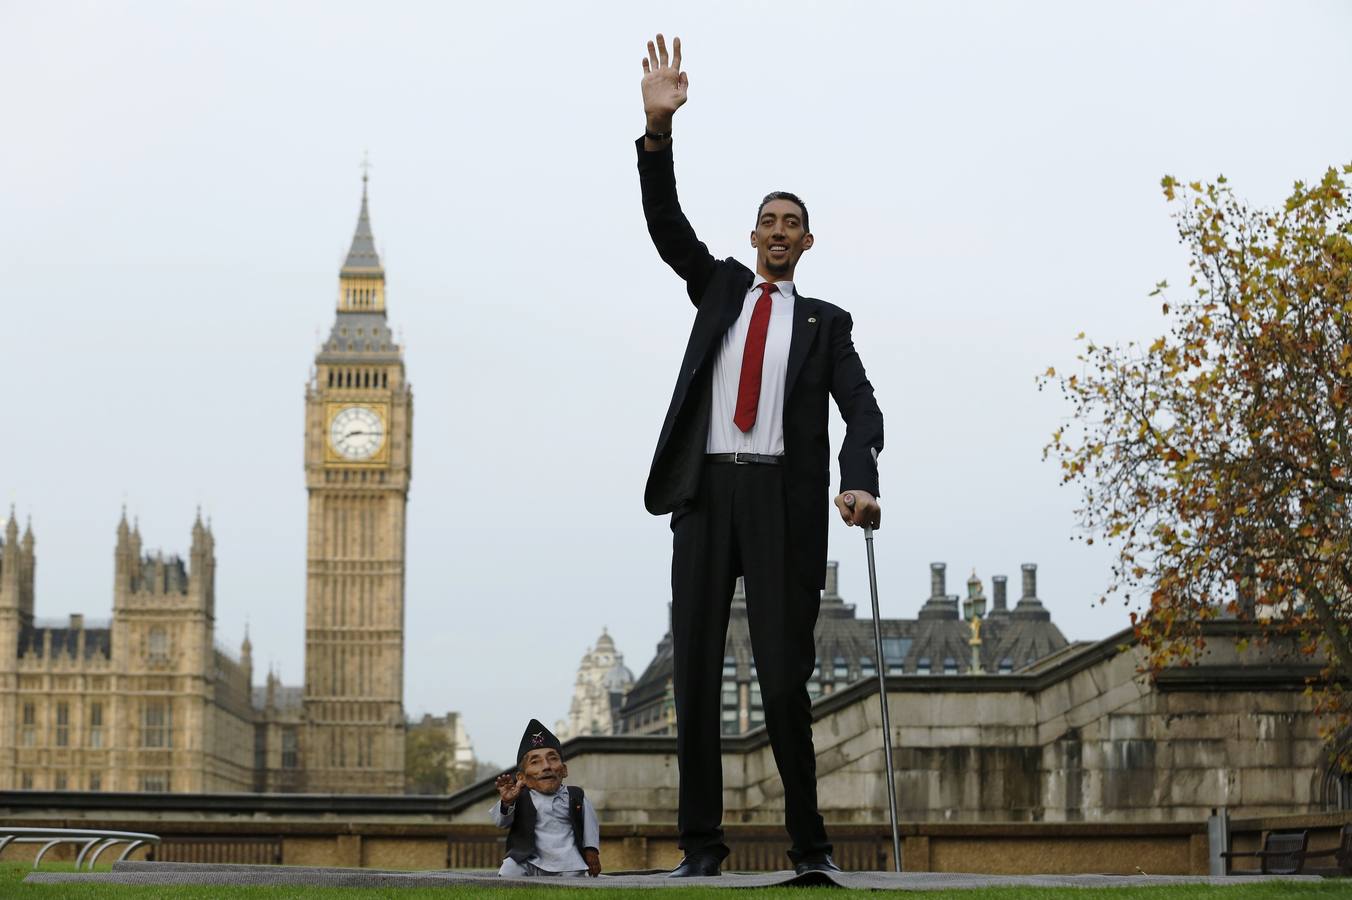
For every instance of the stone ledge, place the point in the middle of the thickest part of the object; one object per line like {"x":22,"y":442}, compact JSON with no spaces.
{"x":1230,"y":679}
{"x":735,"y":831}
{"x":1304,"y":820}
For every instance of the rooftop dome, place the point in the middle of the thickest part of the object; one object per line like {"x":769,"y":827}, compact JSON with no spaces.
{"x":618,"y":679}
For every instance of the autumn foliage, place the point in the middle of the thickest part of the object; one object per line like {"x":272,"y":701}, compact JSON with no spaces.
{"x":1217,"y":460}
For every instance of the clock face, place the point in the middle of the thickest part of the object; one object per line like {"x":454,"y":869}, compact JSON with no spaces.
{"x":357,"y":432}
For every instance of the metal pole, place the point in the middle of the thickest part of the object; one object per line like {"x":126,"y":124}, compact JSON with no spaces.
{"x":882,"y":683}
{"x":882,"y":698}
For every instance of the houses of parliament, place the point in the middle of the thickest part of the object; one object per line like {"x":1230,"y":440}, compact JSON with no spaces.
{"x":150,"y":702}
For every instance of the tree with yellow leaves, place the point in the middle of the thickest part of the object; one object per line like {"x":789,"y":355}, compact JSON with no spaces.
{"x":1217,"y":460}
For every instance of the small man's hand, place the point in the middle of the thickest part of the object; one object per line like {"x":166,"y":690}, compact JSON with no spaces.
{"x":664,"y":84}
{"x":509,"y":787}
{"x":859,"y":508}
{"x":593,"y":858}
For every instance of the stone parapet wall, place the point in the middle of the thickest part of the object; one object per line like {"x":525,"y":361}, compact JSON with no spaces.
{"x":1086,"y":739}
{"x":1005,"y":848}
{"x":400,"y":832}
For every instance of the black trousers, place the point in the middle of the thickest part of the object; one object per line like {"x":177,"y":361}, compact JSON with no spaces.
{"x":736,"y":527}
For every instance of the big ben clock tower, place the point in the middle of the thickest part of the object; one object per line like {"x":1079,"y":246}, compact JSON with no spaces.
{"x":358,"y":461}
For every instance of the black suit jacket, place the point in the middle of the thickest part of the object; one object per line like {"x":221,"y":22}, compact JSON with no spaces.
{"x":822,"y":362}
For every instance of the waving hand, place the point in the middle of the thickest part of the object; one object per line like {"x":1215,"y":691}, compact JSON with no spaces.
{"x":665,"y":86}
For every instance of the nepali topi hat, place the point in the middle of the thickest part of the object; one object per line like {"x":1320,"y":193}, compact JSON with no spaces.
{"x":536,"y":737}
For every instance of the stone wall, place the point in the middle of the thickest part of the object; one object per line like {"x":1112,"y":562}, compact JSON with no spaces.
{"x":1083,"y":738}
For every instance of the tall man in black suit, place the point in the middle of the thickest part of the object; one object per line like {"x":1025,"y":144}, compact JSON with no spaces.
{"x":742,"y":466}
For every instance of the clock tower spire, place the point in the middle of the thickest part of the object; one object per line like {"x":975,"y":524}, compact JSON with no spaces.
{"x":358,"y":463}
{"x":361,"y":282}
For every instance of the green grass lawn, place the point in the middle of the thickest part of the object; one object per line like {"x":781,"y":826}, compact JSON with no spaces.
{"x":12,"y":874}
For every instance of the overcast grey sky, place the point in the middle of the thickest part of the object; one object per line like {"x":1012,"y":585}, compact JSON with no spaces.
{"x":180,"y":182}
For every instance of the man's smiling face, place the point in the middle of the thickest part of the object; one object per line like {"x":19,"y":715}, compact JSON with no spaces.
{"x":544,"y":770}
{"x":780,"y":238}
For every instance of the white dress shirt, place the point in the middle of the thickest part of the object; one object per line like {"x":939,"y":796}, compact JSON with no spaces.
{"x":555,"y":850}
{"x":767,"y":435}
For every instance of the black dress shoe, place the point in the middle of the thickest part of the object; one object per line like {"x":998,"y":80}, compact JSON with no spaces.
{"x":699,"y":865}
{"x":817,"y":862}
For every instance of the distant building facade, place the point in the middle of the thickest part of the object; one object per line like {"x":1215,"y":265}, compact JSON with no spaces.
{"x":603,"y":682}
{"x":461,"y":764}
{"x":149,"y":702}
{"x":937,"y":642}
{"x":280,"y":720}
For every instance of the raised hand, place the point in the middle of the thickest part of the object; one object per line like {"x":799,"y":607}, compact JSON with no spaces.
{"x":665,"y":86}
{"x":509,"y":786}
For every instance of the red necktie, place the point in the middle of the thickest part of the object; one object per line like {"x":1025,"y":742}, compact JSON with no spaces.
{"x":753,"y":355}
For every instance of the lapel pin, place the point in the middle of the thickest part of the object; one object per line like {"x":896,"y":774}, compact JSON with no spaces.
{"x":812,"y":320}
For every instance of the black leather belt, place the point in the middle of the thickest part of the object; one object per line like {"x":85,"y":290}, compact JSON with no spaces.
{"x":744,"y":459}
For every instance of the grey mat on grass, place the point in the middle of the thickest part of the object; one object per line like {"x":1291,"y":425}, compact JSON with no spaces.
{"x":313,"y":876}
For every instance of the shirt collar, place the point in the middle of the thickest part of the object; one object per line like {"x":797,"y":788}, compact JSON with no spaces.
{"x":786,"y":289}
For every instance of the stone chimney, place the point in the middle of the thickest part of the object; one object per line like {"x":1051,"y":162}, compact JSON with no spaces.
{"x":939,"y":605}
{"x":76,"y":621}
{"x":832,"y":604}
{"x":1030,"y":607}
{"x":999,"y":596}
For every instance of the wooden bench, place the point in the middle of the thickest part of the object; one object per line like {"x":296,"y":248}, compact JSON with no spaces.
{"x":1283,"y":853}
{"x":1341,"y":856}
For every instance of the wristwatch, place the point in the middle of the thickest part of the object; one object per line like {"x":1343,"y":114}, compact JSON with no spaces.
{"x":654,"y":136}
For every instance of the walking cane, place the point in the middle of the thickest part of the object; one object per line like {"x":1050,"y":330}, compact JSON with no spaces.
{"x":882,"y":683}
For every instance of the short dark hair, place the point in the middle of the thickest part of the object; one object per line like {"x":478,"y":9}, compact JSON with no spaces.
{"x":784,"y":195}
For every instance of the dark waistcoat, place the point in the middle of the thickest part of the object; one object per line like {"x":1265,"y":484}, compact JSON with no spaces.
{"x":521,"y":834}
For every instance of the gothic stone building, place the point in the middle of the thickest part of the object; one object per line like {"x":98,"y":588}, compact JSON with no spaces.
{"x":150,"y":703}
{"x":937,"y":642}
{"x":147,"y":702}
